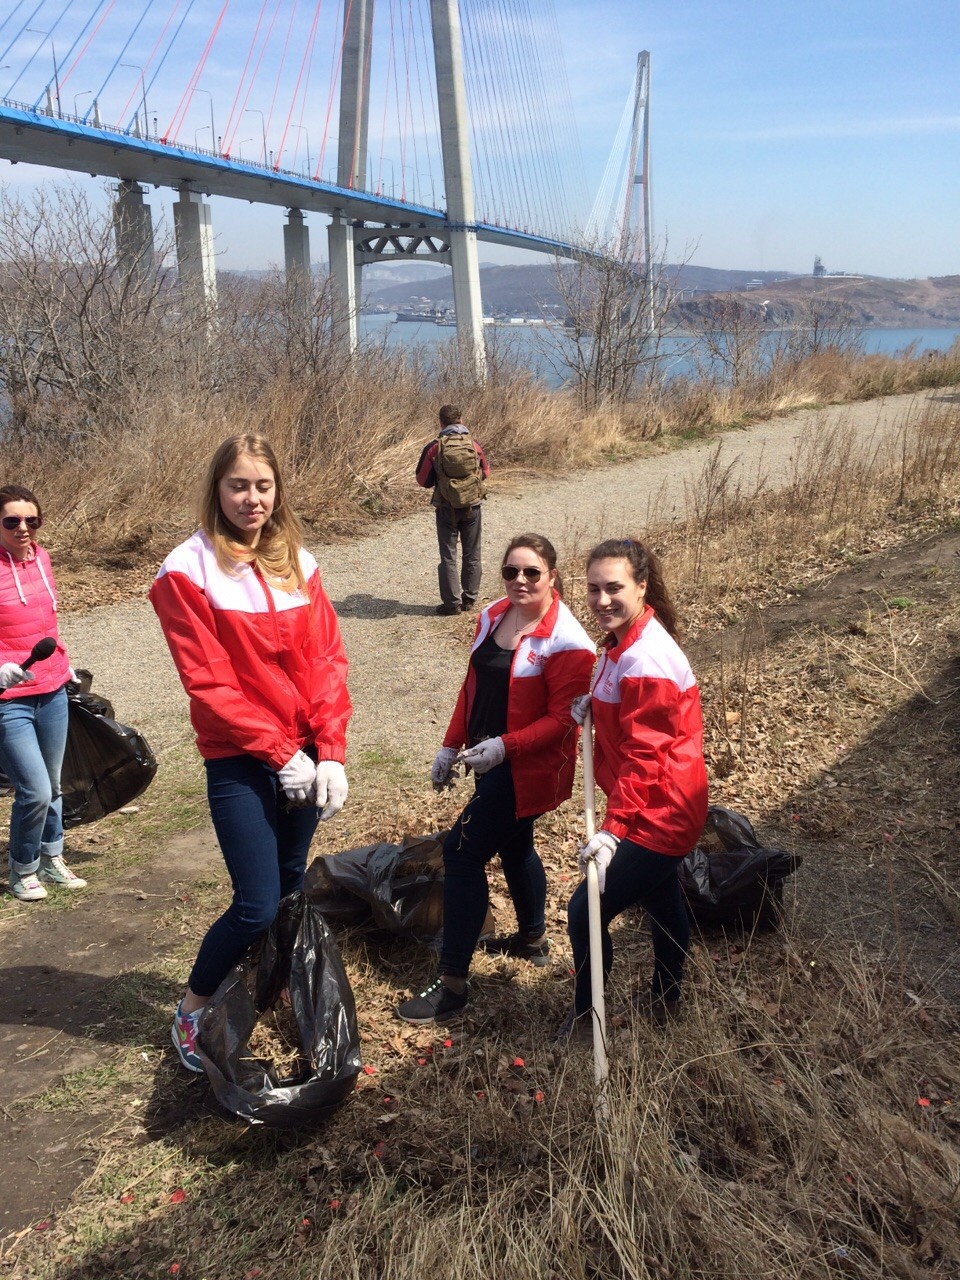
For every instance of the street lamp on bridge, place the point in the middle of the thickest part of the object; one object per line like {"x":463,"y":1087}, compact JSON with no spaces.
{"x":253,"y":111}
{"x":240,"y":146}
{"x":56,"y":70}
{"x":303,"y":129}
{"x":196,"y":135}
{"x":143,"y":89}
{"x":76,"y":98}
{"x":213,"y":131}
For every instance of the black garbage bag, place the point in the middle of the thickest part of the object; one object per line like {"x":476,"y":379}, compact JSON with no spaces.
{"x":740,"y":884}
{"x":298,"y":953}
{"x":106,"y":764}
{"x":397,"y":888}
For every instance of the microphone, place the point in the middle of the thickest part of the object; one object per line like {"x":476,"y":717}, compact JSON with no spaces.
{"x":42,"y":649}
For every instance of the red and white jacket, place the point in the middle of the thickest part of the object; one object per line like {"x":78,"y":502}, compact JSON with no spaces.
{"x":648,"y":741}
{"x":28,"y":613}
{"x":551,"y":666}
{"x":265,"y":669}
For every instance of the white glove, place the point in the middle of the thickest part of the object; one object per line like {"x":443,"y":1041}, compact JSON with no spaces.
{"x":579,"y":708}
{"x":442,"y":767}
{"x":486,"y":755}
{"x":72,"y":676}
{"x":599,"y":850}
{"x":298,"y":777}
{"x":332,"y":788}
{"x":12,"y":675}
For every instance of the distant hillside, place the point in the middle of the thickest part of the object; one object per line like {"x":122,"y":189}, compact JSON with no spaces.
{"x":875,"y":303}
{"x":530,"y":290}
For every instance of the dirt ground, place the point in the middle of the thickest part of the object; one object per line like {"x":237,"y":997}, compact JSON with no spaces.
{"x":58,"y":962}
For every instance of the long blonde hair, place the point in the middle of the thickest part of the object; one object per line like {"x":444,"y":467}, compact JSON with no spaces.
{"x":277,"y":553}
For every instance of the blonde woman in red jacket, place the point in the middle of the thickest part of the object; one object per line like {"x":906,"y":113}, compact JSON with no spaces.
{"x":258,"y":649}
{"x":512,"y":727}
{"x":33,"y":702}
{"x":648,"y":758}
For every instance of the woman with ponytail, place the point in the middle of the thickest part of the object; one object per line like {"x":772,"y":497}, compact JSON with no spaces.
{"x":257,"y":646}
{"x":648,"y":761}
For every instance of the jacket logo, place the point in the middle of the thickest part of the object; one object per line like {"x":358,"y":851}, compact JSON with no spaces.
{"x":538,"y":659}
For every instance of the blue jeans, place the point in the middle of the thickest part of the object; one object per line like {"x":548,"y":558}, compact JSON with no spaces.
{"x":264,"y":845}
{"x":635,"y":876}
{"x":33,"y":735}
{"x":487,"y":826}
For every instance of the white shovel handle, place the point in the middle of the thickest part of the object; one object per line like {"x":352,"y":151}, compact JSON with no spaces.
{"x":600,"y":1068}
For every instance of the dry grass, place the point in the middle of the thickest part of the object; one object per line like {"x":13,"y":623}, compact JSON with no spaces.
{"x":800,"y":1121}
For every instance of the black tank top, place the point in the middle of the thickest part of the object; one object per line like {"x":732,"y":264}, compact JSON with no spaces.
{"x":488,"y":715}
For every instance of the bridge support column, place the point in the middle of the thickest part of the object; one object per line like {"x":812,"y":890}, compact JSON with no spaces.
{"x":193,"y":228}
{"x":458,"y":179}
{"x":133,"y":231}
{"x":345,"y":275}
{"x":296,"y":258}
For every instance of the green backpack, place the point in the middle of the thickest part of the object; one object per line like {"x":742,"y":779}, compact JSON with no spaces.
{"x":458,"y":471}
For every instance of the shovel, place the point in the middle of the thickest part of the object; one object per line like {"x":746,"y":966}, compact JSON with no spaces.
{"x":600,"y":1069}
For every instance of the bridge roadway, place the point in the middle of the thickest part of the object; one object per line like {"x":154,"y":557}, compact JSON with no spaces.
{"x":31,"y":137}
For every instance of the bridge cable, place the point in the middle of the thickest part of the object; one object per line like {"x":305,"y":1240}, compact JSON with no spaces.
{"x":489,"y":185}
{"x":307,"y":57}
{"x":276,"y":85}
{"x":26,"y":67}
{"x":150,"y":57}
{"x":229,"y":128}
{"x":184,"y":104}
{"x":341,"y":19}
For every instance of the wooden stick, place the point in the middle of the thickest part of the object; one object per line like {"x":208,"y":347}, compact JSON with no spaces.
{"x":598,"y":1012}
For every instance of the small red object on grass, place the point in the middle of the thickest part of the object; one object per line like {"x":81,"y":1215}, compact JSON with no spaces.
{"x":518,"y":1062}
{"x":448,"y":1044}
{"x":178,"y":1196}
{"x":334,"y":1204}
{"x":379,"y":1150}
{"x":174,"y":1268}
{"x":538,"y":1096}
{"x":923,"y":1102}
{"x":369,"y":1071}
{"x":480,"y":1095}
{"x":127,"y":1198}
{"x":42,"y":1226}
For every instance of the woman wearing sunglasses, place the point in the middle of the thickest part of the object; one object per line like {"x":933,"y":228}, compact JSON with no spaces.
{"x":648,"y":760}
{"x":33,"y":702}
{"x":512,"y":727}
{"x":257,"y":646}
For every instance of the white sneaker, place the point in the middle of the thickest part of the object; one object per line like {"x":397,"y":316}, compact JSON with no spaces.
{"x":56,"y":871}
{"x":26,"y":887}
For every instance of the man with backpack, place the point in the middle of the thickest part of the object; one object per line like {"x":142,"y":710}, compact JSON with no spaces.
{"x":454,"y":466}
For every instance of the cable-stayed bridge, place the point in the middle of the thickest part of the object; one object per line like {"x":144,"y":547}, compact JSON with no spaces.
{"x":436,"y":124}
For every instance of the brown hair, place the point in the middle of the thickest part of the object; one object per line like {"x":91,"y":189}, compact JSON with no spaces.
{"x":17,"y":493}
{"x":449,"y":414}
{"x":277,"y":553}
{"x":540,"y":546}
{"x":645,"y":567}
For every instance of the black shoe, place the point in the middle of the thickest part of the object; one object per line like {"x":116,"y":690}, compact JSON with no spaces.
{"x":515,"y":944}
{"x":437,"y":1004}
{"x":448,"y":609}
{"x":468,"y":604}
{"x":575,"y":1029}
{"x":656,"y":1009}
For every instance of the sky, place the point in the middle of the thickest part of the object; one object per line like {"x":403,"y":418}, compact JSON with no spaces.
{"x":778,"y":131}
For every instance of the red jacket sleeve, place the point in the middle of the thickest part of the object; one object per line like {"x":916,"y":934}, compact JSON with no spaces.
{"x":567,"y":675}
{"x":330,"y":706}
{"x":206,"y":671}
{"x":427,"y":466}
{"x":651,"y":721}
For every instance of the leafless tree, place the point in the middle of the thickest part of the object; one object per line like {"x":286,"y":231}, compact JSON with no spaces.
{"x":821,"y":320}
{"x":731,"y":338}
{"x":74,"y":322}
{"x":619,"y":310}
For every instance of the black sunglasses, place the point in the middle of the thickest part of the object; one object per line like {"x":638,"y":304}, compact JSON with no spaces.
{"x":510,"y":572}
{"x":14,"y":522}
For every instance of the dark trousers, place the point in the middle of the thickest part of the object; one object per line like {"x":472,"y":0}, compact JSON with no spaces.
{"x":264,"y":845}
{"x":461,"y":523}
{"x":487,"y":826}
{"x":635,"y":876}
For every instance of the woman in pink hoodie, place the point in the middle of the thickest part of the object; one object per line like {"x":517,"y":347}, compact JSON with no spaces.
{"x":33,"y":702}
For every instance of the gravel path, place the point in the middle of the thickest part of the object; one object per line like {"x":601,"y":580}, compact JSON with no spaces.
{"x":406,"y":663}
